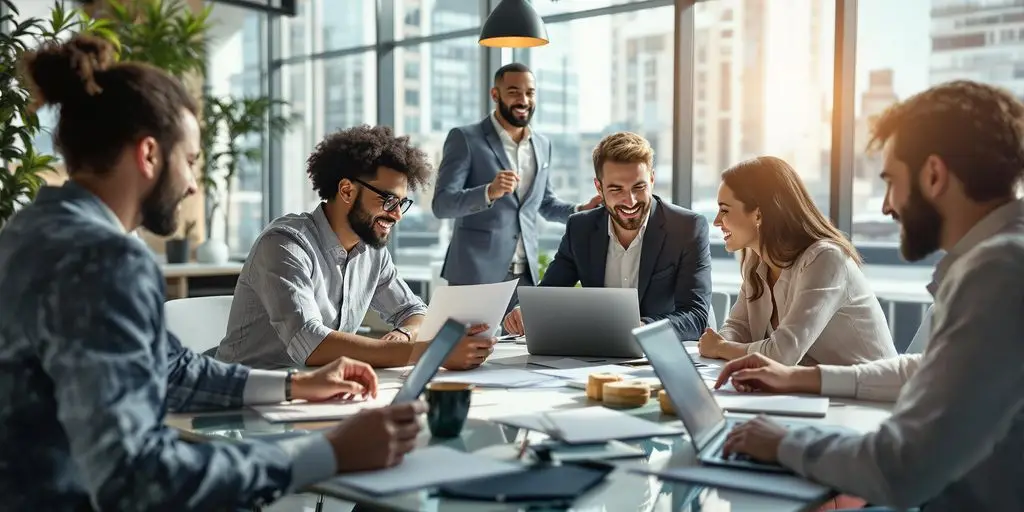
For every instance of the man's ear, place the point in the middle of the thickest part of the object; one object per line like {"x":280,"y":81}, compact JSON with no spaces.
{"x":597,"y":187}
{"x":494,"y":94}
{"x":346,"y":191}
{"x":934,"y":178}
{"x":147,"y":157}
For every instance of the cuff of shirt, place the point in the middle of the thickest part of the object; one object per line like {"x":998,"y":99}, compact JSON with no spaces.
{"x":312,"y":460}
{"x":306,"y":340}
{"x":791,"y":450}
{"x":838,"y":381}
{"x":263,"y":387}
{"x":487,"y":197}
{"x":754,"y":347}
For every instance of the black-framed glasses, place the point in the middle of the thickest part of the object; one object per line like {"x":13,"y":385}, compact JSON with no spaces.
{"x":390,"y":200}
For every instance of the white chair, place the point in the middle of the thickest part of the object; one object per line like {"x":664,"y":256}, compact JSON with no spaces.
{"x":720,"y":304}
{"x":199,"y":322}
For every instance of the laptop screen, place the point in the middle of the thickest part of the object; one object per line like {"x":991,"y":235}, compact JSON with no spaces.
{"x":690,"y":396}
{"x":435,"y":354}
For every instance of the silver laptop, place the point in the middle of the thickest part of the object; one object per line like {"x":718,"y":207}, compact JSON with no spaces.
{"x":575,"y":322}
{"x":430,"y":361}
{"x":705,"y":421}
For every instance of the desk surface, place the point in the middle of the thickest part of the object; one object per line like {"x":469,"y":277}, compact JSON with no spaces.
{"x":622,"y":490}
{"x":200,"y":269}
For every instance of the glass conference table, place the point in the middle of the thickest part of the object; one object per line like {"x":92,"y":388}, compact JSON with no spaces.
{"x":622,"y":490}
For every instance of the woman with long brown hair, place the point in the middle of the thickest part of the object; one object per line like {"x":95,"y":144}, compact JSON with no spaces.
{"x":804,"y":298}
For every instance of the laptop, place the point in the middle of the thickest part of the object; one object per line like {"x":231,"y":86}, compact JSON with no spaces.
{"x":694,"y":404}
{"x":430,"y":361}
{"x":580,"y":322}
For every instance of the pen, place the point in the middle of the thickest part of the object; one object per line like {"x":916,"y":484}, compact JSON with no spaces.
{"x":523,"y":447}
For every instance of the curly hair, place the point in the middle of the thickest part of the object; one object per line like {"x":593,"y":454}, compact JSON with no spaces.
{"x":976,"y":129}
{"x":358,"y":152}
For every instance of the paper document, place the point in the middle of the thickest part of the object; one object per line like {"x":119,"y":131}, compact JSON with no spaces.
{"x":582,"y":373}
{"x":471,"y":304}
{"x":494,"y":376}
{"x":319,"y":411}
{"x":786,"y":486}
{"x":591,"y":425}
{"x":783,"y":405}
{"x":424,"y":468}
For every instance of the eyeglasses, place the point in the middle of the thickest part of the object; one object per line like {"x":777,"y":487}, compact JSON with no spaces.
{"x":390,"y":200}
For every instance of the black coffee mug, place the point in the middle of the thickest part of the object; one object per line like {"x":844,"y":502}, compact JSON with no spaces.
{"x":448,"y":407}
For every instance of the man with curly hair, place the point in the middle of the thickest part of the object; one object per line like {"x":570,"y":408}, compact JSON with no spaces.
{"x":311,"y":277}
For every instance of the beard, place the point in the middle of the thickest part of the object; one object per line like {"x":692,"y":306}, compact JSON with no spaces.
{"x":630,"y":224}
{"x":362,"y":224}
{"x":506,"y":112}
{"x":921,"y":227}
{"x":160,"y":207}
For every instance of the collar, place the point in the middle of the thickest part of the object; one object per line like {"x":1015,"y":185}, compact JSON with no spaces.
{"x":639,"y":236}
{"x":331,"y":242}
{"x":986,"y":228}
{"x":91,"y":203}
{"x":504,"y":134}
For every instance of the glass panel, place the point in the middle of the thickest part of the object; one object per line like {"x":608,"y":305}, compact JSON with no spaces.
{"x":578,"y":103}
{"x":236,"y":45}
{"x":345,"y":24}
{"x":546,"y":7}
{"x":438,"y":87}
{"x":344,"y":95}
{"x":417,"y":18}
{"x":762,"y":86}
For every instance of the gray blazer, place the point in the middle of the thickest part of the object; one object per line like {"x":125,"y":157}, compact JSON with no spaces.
{"x":484,"y":237}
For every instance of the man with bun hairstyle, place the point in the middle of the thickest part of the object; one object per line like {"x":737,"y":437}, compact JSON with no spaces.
{"x":88,"y":369}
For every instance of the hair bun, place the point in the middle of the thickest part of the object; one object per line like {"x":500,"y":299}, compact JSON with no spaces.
{"x":64,"y":72}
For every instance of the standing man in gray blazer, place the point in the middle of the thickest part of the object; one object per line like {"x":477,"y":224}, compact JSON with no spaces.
{"x":494,"y":180}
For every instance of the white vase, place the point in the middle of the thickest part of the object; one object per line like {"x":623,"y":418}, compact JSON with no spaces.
{"x":212,"y":251}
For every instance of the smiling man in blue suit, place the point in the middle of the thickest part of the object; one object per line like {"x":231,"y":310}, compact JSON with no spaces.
{"x":494,"y":180}
{"x":637,"y":240}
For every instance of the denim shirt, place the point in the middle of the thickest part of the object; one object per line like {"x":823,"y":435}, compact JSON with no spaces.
{"x":88,"y":371}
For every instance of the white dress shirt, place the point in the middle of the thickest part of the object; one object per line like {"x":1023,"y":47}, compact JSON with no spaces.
{"x":827,"y":312}
{"x":524,"y":163}
{"x":956,"y":437}
{"x":622,"y":268}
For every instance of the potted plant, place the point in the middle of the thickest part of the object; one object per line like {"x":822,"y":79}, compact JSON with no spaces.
{"x":167,"y":34}
{"x":228,"y":123}
{"x":177,"y":248}
{"x":21,"y":166}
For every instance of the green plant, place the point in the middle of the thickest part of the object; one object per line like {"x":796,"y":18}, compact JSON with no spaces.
{"x":166,"y":34}
{"x":543,"y":260}
{"x":21,"y":165}
{"x":228,"y":122}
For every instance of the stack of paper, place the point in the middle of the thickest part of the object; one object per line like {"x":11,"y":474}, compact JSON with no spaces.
{"x":489,"y":376}
{"x":471,"y":304}
{"x":591,"y":425}
{"x":423,"y":468}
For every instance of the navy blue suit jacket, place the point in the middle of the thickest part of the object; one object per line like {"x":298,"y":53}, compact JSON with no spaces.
{"x":675,"y":264}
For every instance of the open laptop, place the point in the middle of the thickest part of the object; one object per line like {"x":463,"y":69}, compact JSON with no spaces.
{"x":430,"y":361}
{"x":694,"y":404}
{"x":575,"y":322}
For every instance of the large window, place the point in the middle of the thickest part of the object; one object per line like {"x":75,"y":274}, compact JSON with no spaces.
{"x":437,"y":87}
{"x":579,"y":102}
{"x":417,"y":18}
{"x":549,"y":7}
{"x":762,"y":86}
{"x":237,"y":49}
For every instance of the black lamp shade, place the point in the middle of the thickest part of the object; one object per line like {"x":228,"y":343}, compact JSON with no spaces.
{"x":513,"y":24}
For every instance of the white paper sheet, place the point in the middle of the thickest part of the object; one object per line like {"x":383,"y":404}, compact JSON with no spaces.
{"x":782,"y":405}
{"x":424,"y":468}
{"x":495,"y":376}
{"x":786,"y":486}
{"x":298,"y":411}
{"x":470,"y":304}
{"x":591,"y":425}
{"x":583,"y":373}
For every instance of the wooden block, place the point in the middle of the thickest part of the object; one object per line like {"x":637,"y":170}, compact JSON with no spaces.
{"x":626,"y":393}
{"x":665,"y":403}
{"x":596,"y":382}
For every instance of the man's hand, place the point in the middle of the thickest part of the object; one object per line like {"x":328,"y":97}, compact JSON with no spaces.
{"x":344,"y":378}
{"x":593,"y":203}
{"x":376,"y":438}
{"x":472,"y":350}
{"x":513,"y":323}
{"x":711,"y":344}
{"x":504,"y":183}
{"x":757,"y":373}
{"x":758,"y":438}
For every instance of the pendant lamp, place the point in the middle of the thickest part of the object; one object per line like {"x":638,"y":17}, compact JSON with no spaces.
{"x":513,"y":24}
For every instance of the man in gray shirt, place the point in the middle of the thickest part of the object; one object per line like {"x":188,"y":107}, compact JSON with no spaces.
{"x":311,"y":277}
{"x":952,"y":158}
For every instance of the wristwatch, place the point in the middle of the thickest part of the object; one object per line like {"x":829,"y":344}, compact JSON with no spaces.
{"x":288,"y":384}
{"x":404,"y":331}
